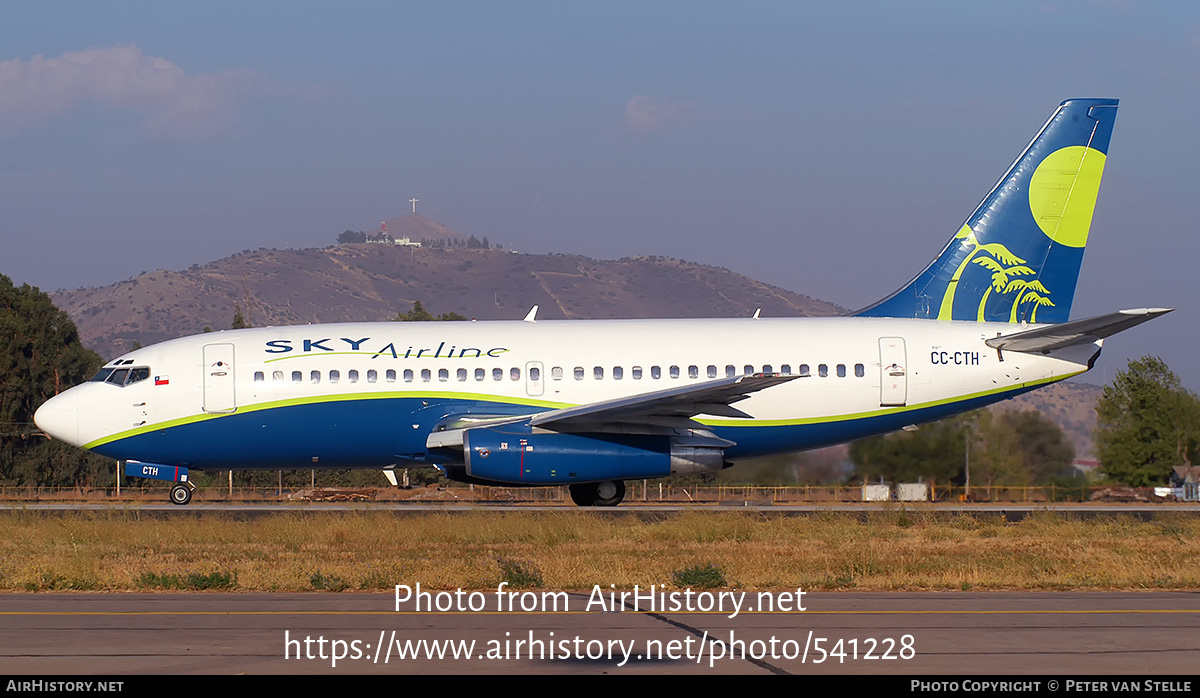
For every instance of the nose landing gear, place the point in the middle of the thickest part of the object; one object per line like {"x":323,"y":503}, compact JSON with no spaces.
{"x":181,"y":493}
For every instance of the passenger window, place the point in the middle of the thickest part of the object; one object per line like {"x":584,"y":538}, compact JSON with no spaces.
{"x":277,"y":377}
{"x":426,"y":375}
{"x":408,"y":376}
{"x":747,"y":370}
{"x":693,"y":371}
{"x":674,"y":371}
{"x":841,"y":370}
{"x":259,"y":376}
{"x":480,"y":374}
{"x":314,"y":377}
{"x":372,"y":376}
{"x":804,"y":369}
{"x":618,"y":373}
{"x":297,"y":377}
{"x":462,"y":374}
{"x":535,"y":374}
{"x":352,"y":376}
{"x":334,"y":376}
{"x":514,"y":373}
{"x":786,"y":369}
{"x":712,"y":371}
{"x":655,"y":372}
{"x":637,"y":373}
{"x":443,"y":375}
{"x":767,"y":368}
{"x":598,"y":372}
{"x":556,"y":373}
{"x":579,"y":373}
{"x":822,"y":370}
{"x":390,"y":376}
{"x":730,"y":371}
{"x":497,"y":374}
{"x":859,"y":371}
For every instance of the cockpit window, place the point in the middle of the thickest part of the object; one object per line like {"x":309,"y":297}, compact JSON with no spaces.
{"x":122,"y":376}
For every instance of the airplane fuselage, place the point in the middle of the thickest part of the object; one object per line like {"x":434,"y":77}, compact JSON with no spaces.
{"x":369,"y":394}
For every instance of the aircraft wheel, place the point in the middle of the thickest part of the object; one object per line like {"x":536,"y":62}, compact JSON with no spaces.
{"x":598,"y":494}
{"x":609,"y":493}
{"x":583,"y":494}
{"x":181,"y":494}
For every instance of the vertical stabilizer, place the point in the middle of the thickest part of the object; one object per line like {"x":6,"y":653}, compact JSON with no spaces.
{"x":1017,"y":257}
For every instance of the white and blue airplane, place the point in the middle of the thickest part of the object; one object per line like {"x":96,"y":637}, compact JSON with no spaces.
{"x":592,"y":403}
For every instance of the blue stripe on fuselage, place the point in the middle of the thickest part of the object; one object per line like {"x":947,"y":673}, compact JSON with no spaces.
{"x":378,"y":433}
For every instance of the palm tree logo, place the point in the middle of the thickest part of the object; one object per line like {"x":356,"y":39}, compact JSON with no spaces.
{"x":1028,"y":292}
{"x":1000,"y":279}
{"x":999,"y":254}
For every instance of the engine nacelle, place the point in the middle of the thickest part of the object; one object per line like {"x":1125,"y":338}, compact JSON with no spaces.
{"x":513,"y":454}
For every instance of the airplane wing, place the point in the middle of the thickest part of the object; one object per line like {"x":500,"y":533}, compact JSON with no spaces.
{"x":670,"y":407}
{"x":1086,"y":331}
{"x":711,"y":397}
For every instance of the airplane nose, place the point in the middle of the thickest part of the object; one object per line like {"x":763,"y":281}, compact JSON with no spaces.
{"x":59,"y":417}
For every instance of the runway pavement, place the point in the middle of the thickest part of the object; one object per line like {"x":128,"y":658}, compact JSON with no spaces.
{"x":1011,"y":512}
{"x":1049,"y":633}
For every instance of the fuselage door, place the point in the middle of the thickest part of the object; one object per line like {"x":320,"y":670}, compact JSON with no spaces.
{"x":535,"y":382}
{"x":893,"y":368}
{"x":218,"y":378}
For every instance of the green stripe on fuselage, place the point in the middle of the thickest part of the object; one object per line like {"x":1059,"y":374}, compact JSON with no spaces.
{"x":480,"y":397}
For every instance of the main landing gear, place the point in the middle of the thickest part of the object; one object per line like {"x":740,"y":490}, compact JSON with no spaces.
{"x":181,"y":493}
{"x":598,"y":494}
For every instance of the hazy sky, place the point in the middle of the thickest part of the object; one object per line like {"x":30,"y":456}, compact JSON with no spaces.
{"x":830,"y":148}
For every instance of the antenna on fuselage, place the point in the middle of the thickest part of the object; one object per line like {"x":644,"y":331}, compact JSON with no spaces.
{"x":756,"y":313}
{"x":531,"y":316}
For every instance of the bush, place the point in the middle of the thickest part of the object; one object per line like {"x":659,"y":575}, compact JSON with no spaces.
{"x":699,"y":576}
{"x":520,"y":574}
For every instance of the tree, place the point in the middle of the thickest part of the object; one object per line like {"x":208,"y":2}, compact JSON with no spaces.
{"x":239,"y":320}
{"x":996,"y":458}
{"x":932,"y":452}
{"x":1043,"y":448}
{"x":40,"y":356}
{"x":419,"y":314}
{"x":1007,"y":449}
{"x":351,"y":236}
{"x":1146,"y":423}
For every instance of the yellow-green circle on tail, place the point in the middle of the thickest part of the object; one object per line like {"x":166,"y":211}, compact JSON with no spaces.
{"x":1062,"y":193}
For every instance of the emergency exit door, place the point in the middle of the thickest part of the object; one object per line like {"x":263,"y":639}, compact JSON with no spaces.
{"x":893,"y":371}
{"x":218,"y":378}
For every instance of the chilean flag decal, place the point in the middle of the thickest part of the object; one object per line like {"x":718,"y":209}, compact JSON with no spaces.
{"x":162,"y":380}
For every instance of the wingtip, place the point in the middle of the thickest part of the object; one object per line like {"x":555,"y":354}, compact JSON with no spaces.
{"x":1147,"y":311}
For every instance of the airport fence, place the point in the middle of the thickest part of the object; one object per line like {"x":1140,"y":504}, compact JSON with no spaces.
{"x":637,"y":492}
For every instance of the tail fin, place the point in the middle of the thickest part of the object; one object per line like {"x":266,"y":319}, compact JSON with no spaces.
{"x":1017,"y":258}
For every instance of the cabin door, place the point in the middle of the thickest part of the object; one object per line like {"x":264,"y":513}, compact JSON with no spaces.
{"x":218,"y":378}
{"x":893,"y":369}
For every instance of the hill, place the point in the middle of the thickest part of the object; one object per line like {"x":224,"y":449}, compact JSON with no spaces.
{"x":376,"y":282}
{"x":418,"y":228}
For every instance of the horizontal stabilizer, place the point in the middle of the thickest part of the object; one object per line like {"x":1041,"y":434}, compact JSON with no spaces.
{"x":1086,"y":331}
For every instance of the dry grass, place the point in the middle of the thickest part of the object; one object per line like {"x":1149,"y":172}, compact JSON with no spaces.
{"x":574,"y":550}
